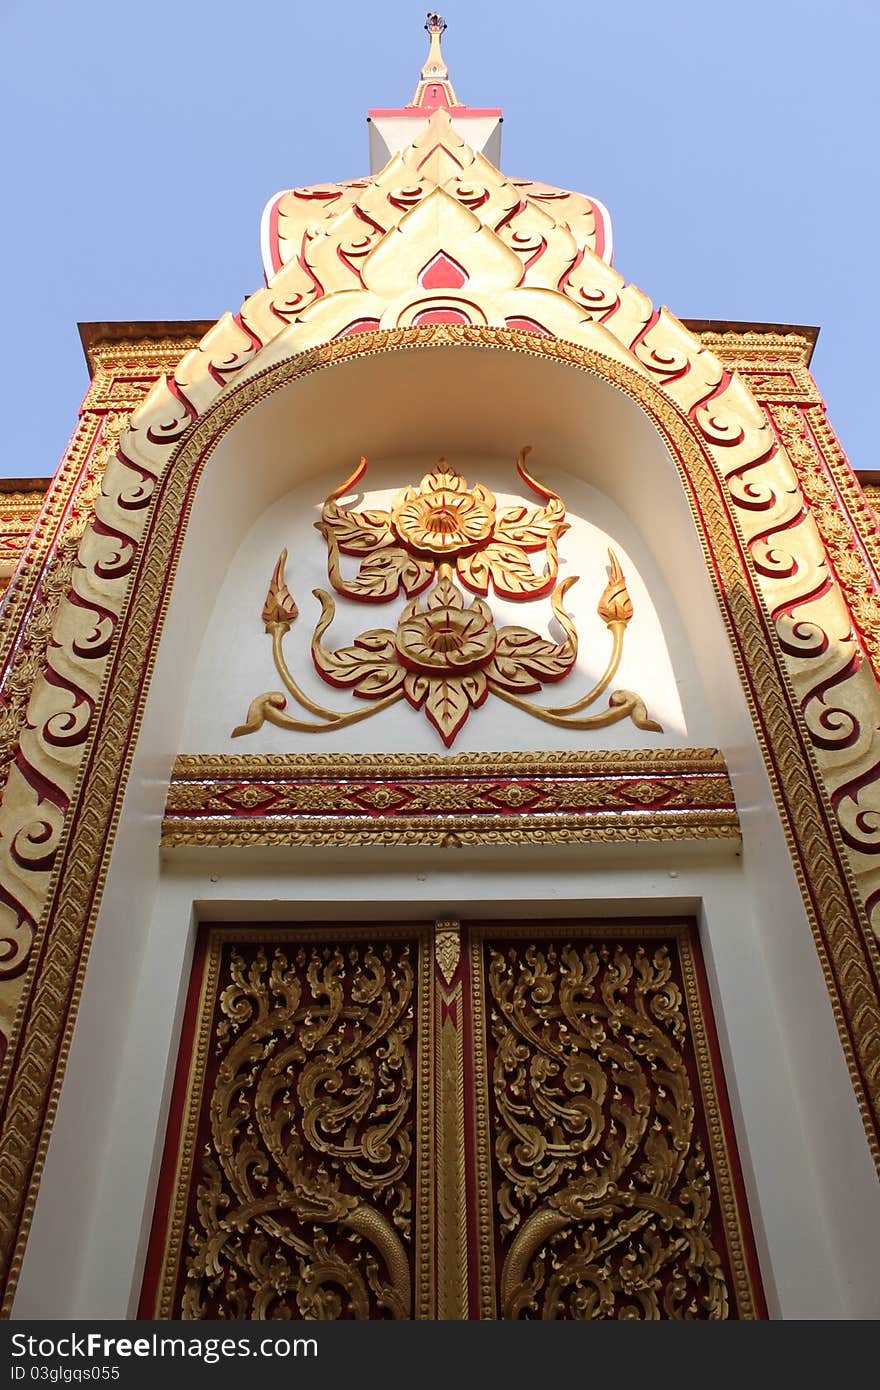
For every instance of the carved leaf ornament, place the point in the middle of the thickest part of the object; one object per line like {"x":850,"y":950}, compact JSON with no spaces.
{"x":446,"y":655}
{"x":309,"y":1145}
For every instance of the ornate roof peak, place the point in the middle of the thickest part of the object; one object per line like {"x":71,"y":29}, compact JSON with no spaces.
{"x":394,"y":129}
{"x":435,"y":88}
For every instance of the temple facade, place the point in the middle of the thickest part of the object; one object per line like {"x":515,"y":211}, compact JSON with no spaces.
{"x":440,"y":826}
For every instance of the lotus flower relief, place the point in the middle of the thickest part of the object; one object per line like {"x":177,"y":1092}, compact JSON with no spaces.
{"x":445,"y":655}
{"x":443,"y":517}
{"x":443,"y":521}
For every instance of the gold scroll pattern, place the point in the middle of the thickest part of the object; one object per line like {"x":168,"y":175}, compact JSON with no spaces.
{"x":587,"y":302}
{"x":36,"y":620}
{"x":836,"y":676}
{"x":304,"y":1189}
{"x":605,"y":1203}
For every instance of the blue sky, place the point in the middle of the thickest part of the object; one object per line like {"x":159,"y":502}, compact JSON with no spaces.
{"x":736,"y":147}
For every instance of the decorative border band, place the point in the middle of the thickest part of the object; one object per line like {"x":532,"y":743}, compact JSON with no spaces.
{"x":648,"y":794}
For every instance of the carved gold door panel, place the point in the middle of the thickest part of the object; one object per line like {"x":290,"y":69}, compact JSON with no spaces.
{"x":503,"y":1121}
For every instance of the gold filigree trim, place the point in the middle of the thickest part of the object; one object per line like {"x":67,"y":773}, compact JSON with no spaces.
{"x":576,"y":763}
{"x":853,"y":499}
{"x":763,"y":349}
{"x":872,"y":494}
{"x":451,"y":832}
{"x":302,"y":1208}
{"x":124,"y":373}
{"x":18,"y":515}
{"x":608,"y":1201}
{"x":468,"y":798}
{"x":774,"y":366}
{"x":858,"y":579}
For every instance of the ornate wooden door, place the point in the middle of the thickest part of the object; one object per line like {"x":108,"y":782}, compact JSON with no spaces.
{"x":442,"y":1121}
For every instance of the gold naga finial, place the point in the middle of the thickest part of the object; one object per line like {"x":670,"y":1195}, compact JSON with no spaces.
{"x":434,"y":87}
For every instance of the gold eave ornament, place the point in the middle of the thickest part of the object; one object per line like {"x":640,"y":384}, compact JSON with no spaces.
{"x":445,"y":655}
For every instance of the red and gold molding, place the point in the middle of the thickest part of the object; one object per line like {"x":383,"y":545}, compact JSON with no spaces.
{"x":20,"y":503}
{"x":469,"y":798}
{"x":43,"y":528}
{"x":773,"y":359}
{"x":871,"y":489}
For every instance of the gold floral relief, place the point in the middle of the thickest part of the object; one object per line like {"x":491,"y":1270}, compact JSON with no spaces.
{"x":446,"y":654}
{"x":613,"y":1196}
{"x":297,"y":1183}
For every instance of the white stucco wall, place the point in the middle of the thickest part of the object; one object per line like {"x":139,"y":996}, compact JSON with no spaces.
{"x":811,"y":1182}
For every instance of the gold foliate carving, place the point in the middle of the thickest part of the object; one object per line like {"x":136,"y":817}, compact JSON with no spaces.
{"x":447,"y":948}
{"x":605,"y":1192}
{"x":124,"y":373}
{"x":607,"y":762}
{"x":30,"y":654}
{"x":29,"y":657}
{"x":305,"y":1194}
{"x":454,"y":831}
{"x":775,"y":366}
{"x":279,"y":610}
{"x":762,"y":348}
{"x":872,"y":495}
{"x":444,"y":522}
{"x":47,"y":530}
{"x":445,"y":656}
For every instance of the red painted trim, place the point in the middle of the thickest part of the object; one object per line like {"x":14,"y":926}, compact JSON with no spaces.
{"x":529,"y":326}
{"x":599,"y":219}
{"x":359,"y":326}
{"x":168,"y":1172}
{"x":274,"y":246}
{"x":464,"y":112}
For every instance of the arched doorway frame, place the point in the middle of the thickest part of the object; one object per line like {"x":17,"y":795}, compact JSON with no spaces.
{"x":54,"y":979}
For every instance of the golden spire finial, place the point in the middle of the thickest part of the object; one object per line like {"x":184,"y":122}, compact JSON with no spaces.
{"x":435,"y":69}
{"x":434,"y":87}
